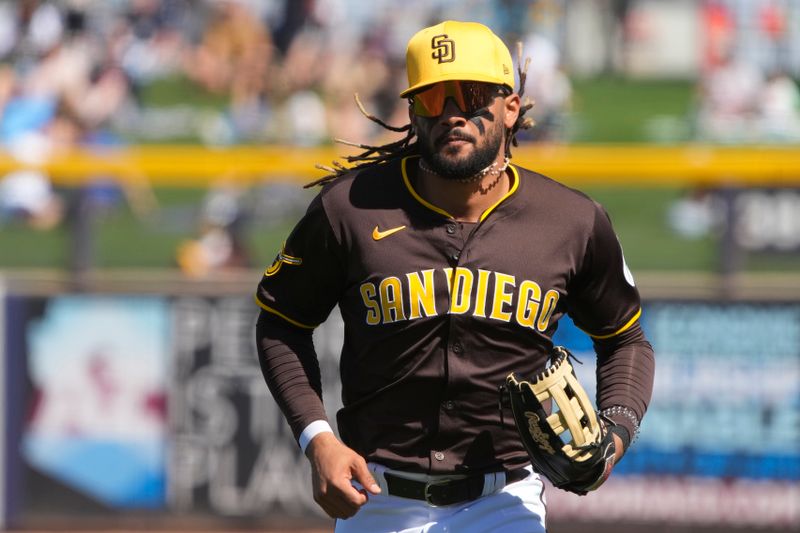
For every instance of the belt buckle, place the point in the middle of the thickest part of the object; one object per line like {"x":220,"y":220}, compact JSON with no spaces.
{"x":430,"y":484}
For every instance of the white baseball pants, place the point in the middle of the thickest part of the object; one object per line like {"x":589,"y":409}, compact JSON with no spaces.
{"x":515,"y":508}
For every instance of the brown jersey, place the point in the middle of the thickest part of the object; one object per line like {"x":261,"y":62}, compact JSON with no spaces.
{"x":437,"y":313}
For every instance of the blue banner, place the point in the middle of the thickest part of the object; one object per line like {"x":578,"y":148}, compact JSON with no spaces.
{"x":726,"y":400}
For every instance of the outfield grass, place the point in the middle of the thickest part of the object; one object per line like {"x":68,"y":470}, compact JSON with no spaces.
{"x":612,"y":109}
{"x":640,"y":218}
{"x":123,"y":240}
{"x":605,"y":110}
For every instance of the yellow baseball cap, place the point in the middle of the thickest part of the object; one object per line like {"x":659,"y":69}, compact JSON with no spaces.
{"x":456,"y":50}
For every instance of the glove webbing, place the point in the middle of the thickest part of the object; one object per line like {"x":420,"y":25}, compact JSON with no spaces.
{"x":575,"y":412}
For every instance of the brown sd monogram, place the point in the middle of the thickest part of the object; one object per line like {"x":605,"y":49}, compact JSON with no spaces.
{"x":444,"y":49}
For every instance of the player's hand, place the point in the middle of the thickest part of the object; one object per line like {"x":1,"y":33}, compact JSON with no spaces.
{"x":333,"y":466}
{"x":619,"y":451}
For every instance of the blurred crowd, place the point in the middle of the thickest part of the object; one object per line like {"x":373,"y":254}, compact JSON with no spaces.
{"x":83,"y":73}
{"x":287,"y":71}
{"x":739,"y":103}
{"x":739,"y":99}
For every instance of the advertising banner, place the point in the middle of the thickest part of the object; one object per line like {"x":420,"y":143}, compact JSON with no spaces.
{"x":720,"y":443}
{"x":233,"y":453}
{"x":157,"y":405}
{"x":767,"y":220}
{"x":90,"y":428}
{"x":3,"y":428}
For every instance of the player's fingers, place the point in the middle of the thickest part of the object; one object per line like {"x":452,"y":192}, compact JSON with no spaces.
{"x":336,"y":504}
{"x":349,"y":501}
{"x":351,"y":496}
{"x":364,"y":476}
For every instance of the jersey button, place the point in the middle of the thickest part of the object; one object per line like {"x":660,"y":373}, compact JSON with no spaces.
{"x":457,"y":348}
{"x":449,"y":405}
{"x":451,"y":229}
{"x":439,"y":456}
{"x":455,"y":256}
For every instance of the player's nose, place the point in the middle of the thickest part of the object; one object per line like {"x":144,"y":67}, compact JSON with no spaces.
{"x":451,"y":114}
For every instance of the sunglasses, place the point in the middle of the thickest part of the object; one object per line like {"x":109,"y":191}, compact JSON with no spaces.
{"x":469,"y":96}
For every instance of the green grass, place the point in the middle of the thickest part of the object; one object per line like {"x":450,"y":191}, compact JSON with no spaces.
{"x":613,"y":109}
{"x":606,"y":110}
{"x":178,"y":90}
{"x":639,"y":216}
{"x":122,"y":240}
{"x":22,"y":247}
{"x":126,"y":241}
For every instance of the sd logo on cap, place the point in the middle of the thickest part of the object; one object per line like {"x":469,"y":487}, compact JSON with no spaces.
{"x":453,"y":50}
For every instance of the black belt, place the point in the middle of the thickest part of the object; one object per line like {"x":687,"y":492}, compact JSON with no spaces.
{"x":447,"y":491}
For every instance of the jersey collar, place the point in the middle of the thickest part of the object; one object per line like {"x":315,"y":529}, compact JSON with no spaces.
{"x":439,"y":210}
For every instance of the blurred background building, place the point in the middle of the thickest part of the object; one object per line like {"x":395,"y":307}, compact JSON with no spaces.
{"x":152,"y":154}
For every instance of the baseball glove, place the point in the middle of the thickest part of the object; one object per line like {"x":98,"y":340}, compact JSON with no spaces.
{"x":571,"y":446}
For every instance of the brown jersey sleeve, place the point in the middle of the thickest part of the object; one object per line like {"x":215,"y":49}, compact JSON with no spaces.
{"x":603,"y":300}
{"x":297,"y":293}
{"x":291,"y":369}
{"x":306,"y":279}
{"x":625,"y":372}
{"x":606,"y":304}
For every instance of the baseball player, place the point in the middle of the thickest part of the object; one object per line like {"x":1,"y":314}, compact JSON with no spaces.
{"x":451,"y":268}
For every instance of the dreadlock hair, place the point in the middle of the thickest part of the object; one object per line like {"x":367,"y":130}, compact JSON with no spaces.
{"x":376,"y":155}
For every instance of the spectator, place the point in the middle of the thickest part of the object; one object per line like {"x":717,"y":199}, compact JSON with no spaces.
{"x":27,"y":195}
{"x":779,"y":109}
{"x":220,"y":245}
{"x":728,"y":105}
{"x":549,"y":88}
{"x":234,"y":58}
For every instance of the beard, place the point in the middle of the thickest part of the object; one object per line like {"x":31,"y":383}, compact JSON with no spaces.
{"x":461,"y":169}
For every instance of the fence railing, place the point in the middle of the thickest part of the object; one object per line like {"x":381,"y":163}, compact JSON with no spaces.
{"x":727,"y":170}
{"x":615,"y":164}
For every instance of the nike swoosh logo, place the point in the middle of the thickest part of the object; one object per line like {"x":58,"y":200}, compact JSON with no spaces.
{"x":378,"y":235}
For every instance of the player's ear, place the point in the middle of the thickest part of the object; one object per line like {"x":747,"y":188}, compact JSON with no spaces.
{"x":511,"y":105}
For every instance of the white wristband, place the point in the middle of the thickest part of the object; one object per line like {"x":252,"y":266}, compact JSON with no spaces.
{"x":312,"y":430}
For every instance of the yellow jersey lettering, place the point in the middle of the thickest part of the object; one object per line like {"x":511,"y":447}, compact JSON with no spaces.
{"x":548,"y":307}
{"x":413,"y":296}
{"x":421,"y":294}
{"x":501,"y":297}
{"x":480,"y":294}
{"x":530,"y":297}
{"x":462,"y":291}
{"x":373,"y":309}
{"x":391,"y":295}
{"x":448,"y":274}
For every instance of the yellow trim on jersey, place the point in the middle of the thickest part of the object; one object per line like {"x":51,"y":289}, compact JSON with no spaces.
{"x":620,"y":330}
{"x":511,"y":190}
{"x":420,"y":199}
{"x":416,"y":196}
{"x":267,"y":308}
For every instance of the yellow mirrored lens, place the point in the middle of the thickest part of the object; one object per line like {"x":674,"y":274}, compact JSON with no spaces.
{"x":430,"y":102}
{"x":469,"y":96}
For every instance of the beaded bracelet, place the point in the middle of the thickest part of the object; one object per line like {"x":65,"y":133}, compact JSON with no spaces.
{"x":628,"y":413}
